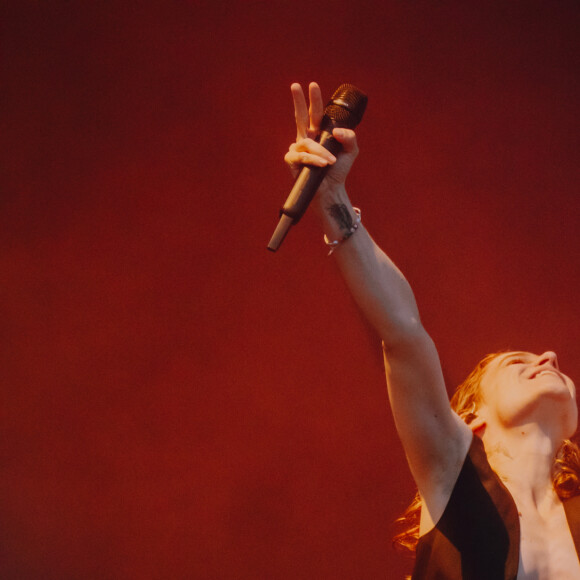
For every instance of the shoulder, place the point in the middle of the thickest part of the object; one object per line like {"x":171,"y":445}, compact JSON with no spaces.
{"x":437,"y":489}
{"x":477,"y":533}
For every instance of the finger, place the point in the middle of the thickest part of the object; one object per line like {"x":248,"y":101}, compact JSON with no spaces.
{"x":316,"y":109}
{"x":300,"y":110}
{"x":297,"y":158}
{"x":314,"y":148}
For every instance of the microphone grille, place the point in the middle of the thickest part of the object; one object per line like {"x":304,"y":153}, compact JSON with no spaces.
{"x":347,"y":106}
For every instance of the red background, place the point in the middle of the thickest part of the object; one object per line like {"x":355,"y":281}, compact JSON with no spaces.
{"x":178,"y":402}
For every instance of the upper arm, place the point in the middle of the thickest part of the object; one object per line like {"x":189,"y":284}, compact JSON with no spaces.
{"x":434,"y":438}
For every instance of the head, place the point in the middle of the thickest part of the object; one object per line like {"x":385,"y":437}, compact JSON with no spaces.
{"x":513,"y":387}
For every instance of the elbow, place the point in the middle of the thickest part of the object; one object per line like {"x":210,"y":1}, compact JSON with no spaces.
{"x":404,"y":334}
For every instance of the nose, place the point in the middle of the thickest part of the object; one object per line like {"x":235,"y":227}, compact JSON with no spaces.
{"x":548,"y":357}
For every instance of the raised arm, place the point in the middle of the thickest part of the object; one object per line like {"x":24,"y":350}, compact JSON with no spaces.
{"x":434,"y":438}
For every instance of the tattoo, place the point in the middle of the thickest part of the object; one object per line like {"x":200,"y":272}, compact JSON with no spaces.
{"x":342,"y":217}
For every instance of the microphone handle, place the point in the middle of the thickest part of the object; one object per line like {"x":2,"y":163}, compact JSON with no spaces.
{"x":304,"y":189}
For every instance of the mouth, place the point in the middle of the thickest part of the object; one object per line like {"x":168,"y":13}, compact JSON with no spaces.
{"x":547,"y":371}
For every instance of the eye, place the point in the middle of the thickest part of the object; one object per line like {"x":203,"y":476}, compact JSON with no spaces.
{"x":514,"y":361}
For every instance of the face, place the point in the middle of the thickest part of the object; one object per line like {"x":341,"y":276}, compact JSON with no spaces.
{"x":521,"y":387}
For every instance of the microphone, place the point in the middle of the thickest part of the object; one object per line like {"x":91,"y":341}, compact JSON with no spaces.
{"x":344,"y":110}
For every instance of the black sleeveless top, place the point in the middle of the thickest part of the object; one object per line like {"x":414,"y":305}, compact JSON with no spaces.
{"x":478,"y":535}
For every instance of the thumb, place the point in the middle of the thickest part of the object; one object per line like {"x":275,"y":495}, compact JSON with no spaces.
{"x":347,"y":138}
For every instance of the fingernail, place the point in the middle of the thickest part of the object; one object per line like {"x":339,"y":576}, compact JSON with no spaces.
{"x":331,"y":158}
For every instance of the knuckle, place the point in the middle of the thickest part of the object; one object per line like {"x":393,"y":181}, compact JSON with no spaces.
{"x":291,"y":158}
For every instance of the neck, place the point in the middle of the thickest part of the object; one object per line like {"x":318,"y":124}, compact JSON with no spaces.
{"x":523,"y":457}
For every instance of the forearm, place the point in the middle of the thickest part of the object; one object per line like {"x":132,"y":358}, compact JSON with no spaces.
{"x":377,"y":285}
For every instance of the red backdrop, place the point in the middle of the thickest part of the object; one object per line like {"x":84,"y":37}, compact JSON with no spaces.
{"x":177,"y":402}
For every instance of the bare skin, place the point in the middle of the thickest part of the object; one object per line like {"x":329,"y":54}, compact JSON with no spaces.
{"x":521,"y":433}
{"x":529,"y":408}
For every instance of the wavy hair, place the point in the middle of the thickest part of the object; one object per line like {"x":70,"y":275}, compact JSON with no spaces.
{"x":465,"y":400}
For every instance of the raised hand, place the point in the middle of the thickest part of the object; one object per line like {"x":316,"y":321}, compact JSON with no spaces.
{"x":306,"y":151}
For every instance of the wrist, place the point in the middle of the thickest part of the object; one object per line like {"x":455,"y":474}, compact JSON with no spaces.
{"x":329,"y":195}
{"x":348,"y":227}
{"x":338,"y":218}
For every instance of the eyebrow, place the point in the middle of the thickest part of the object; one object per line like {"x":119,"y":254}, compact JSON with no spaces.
{"x":519,"y":354}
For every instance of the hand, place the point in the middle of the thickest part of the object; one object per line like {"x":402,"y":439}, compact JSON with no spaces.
{"x":307,"y":151}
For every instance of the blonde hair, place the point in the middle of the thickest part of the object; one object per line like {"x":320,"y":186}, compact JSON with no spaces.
{"x":465,"y":400}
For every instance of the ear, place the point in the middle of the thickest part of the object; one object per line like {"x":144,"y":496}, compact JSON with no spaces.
{"x":478,"y":426}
